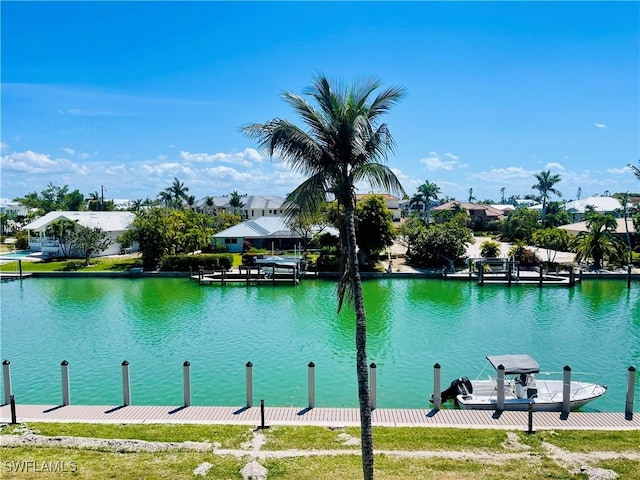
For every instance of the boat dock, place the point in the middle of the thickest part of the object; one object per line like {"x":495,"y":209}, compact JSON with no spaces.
{"x":338,"y":417}
{"x":264,"y":274}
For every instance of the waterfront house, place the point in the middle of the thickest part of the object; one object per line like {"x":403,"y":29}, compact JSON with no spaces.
{"x":480,"y":215}
{"x":254,"y":206}
{"x":113,"y":223}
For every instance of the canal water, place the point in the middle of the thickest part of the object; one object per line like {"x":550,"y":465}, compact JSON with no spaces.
{"x":156,"y":324}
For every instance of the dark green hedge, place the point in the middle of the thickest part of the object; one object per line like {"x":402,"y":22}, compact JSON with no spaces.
{"x":210,"y":261}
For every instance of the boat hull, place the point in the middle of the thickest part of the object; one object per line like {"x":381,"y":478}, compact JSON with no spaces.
{"x":549,"y":396}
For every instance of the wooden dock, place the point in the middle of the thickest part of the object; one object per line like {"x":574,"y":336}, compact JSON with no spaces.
{"x":334,"y":417}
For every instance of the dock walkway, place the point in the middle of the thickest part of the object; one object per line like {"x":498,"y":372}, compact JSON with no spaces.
{"x":338,"y":417}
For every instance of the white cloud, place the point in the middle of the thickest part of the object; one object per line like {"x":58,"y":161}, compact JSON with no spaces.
{"x":600,"y":125}
{"x":243,"y":159}
{"x":68,"y":151}
{"x":435,"y":162}
{"x":502,"y":175}
{"x":554,"y":166}
{"x":618,"y":171}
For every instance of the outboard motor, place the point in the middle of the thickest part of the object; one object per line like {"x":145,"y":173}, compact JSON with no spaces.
{"x":460,"y":386}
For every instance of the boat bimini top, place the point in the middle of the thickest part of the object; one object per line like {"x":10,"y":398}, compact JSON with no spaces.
{"x":514,"y":364}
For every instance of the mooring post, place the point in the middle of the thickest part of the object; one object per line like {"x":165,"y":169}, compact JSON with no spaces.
{"x":628,"y":276}
{"x":481,"y":274}
{"x":262,"y":425}
{"x":6,"y":376}
{"x":580,"y":275}
{"x":20,"y":268}
{"x":66,"y":391}
{"x":249,"y":375}
{"x":186,"y":382}
{"x":631,"y":381}
{"x":572,"y":279}
{"x":312,"y":385}
{"x":12,"y":402}
{"x":372,"y":385}
{"x":126,"y":385}
{"x":530,"y":423}
{"x":500,"y":386}
{"x":541,"y":274}
{"x":566,"y":390}
{"x":437,"y":398}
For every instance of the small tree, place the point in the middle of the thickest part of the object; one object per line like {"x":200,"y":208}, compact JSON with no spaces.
{"x":62,"y":231}
{"x":89,"y":241}
{"x":374,"y":226}
{"x":553,"y":240}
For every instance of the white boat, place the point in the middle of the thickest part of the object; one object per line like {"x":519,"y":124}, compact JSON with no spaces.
{"x":524,"y":384}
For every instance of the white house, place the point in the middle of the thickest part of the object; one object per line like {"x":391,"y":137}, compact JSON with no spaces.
{"x":12,"y":208}
{"x":113,"y":223}
{"x":604,"y":205}
{"x":263,"y":232}
{"x":254,"y":206}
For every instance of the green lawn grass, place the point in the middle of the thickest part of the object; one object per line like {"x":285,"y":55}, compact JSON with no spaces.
{"x":105,"y":463}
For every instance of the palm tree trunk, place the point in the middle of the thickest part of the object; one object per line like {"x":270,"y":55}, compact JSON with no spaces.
{"x":361,"y":348}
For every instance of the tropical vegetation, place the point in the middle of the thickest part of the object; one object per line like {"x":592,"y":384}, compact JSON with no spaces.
{"x":546,"y":187}
{"x":343,"y":143}
{"x":426,"y":192}
{"x":599,"y":243}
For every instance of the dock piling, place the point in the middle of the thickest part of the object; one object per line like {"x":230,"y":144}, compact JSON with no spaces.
{"x":249,"y":382}
{"x":66,"y":391}
{"x":566,"y":390}
{"x":631,"y":381}
{"x":372,"y":385}
{"x":6,"y":376}
{"x":312,"y":385}
{"x":126,"y":384}
{"x":437,"y":389}
{"x":500,"y":386}
{"x":186,"y":383}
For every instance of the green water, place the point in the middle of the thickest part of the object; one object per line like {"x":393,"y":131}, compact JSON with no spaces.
{"x":157,"y":324}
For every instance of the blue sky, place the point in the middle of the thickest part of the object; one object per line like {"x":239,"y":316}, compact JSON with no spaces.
{"x":129,"y":95}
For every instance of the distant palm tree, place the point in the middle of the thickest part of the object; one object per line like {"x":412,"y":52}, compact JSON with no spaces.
{"x":178,"y":192}
{"x":235,"y":202}
{"x":343,"y":144}
{"x":545,"y":186}
{"x":166,"y":198}
{"x":599,"y":242}
{"x":625,"y":212}
{"x":471,"y":197}
{"x":635,"y":170}
{"x":426,"y":192}
{"x":502,"y":192}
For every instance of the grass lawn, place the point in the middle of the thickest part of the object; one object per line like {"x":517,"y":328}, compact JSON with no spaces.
{"x":299,"y":452}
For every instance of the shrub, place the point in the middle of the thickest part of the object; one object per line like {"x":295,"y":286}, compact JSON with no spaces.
{"x":489,"y":248}
{"x":524,"y":255}
{"x":210,"y":261}
{"x":328,"y":263}
{"x":22,"y":240}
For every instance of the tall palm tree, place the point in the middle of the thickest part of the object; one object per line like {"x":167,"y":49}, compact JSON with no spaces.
{"x":426,"y":192}
{"x":545,"y":186}
{"x":502,"y":192}
{"x":343,"y":143}
{"x":599,"y":242}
